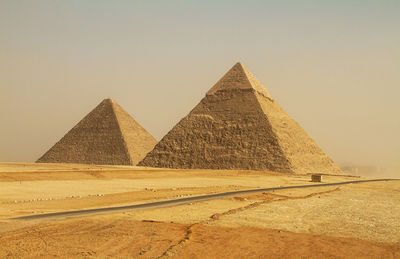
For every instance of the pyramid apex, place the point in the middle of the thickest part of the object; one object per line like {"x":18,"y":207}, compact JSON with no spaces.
{"x":239,"y":78}
{"x":109,"y":100}
{"x":239,"y":65}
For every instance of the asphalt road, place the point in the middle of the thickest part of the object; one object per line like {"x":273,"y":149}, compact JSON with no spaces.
{"x":168,"y":203}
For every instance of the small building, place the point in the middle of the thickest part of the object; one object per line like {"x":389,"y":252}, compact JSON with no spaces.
{"x":316,"y":178}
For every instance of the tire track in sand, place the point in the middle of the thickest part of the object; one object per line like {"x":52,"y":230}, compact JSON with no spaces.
{"x":173,"y":250}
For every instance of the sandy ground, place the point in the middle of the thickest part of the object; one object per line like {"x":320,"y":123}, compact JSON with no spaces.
{"x":122,"y":237}
{"x":357,"y":220}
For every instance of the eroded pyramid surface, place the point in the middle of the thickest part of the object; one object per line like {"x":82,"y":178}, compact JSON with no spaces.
{"x":108,"y":135}
{"x":238,"y":125}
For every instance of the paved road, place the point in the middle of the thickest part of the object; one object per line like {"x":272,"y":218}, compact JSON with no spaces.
{"x":168,"y":203}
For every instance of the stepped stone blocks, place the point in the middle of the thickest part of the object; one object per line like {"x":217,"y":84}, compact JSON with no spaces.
{"x":107,"y":136}
{"x":239,"y":126}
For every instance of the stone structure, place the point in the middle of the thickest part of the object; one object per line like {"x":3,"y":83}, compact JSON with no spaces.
{"x":238,"y":125}
{"x":107,"y":136}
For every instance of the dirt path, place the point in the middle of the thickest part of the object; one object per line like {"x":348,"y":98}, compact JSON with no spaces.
{"x":175,"y":202}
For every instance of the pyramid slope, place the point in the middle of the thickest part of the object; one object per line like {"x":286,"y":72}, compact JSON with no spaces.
{"x":137,"y":140}
{"x":303,"y":153}
{"x":239,"y":126}
{"x":104,"y":136}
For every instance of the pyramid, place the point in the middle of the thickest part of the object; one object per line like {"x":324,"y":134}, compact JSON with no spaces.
{"x":238,"y":125}
{"x":106,"y":136}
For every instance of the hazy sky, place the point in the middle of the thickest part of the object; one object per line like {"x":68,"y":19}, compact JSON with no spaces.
{"x":334,"y":66}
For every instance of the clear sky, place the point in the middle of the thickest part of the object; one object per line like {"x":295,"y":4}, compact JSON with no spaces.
{"x":334,"y":66}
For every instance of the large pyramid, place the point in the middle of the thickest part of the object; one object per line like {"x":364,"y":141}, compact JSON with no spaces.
{"x":107,"y":136}
{"x":239,"y":126}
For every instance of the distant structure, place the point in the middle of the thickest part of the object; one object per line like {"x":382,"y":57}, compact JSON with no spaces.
{"x":238,"y":125}
{"x":106,"y":136}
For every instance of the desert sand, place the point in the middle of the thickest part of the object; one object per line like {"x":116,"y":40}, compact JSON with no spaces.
{"x":355,"y":220}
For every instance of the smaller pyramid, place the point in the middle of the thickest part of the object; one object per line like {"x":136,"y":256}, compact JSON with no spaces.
{"x":108,"y":135}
